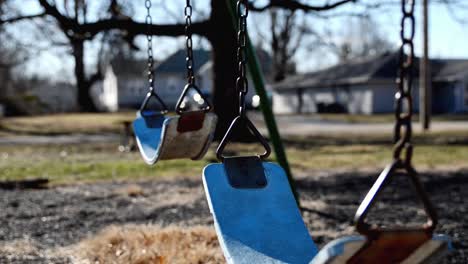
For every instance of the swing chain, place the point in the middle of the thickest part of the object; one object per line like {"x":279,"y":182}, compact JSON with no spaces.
{"x":188,"y":43}
{"x":242,"y":87}
{"x":403,"y":97}
{"x":403,"y":113}
{"x":241,"y":82}
{"x":149,"y":38}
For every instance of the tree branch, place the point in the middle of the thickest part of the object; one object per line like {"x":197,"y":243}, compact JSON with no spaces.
{"x":19,"y":18}
{"x":64,"y":22}
{"x":127,"y":25}
{"x":294,"y":5}
{"x":133,"y":28}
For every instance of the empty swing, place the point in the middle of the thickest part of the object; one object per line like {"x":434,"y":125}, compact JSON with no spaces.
{"x":162,"y":137}
{"x":255,"y":213}
{"x":394,"y":244}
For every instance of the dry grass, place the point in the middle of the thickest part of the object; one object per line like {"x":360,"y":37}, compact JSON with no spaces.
{"x":138,"y":244}
{"x":378,"y":118}
{"x":25,"y":250}
{"x":24,"y":246}
{"x":87,"y":123}
{"x":128,"y":244}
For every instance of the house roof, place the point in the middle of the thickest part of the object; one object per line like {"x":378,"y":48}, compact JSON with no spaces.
{"x":129,"y":67}
{"x":175,"y":63}
{"x":449,"y":69}
{"x":380,"y":68}
{"x":264,"y":59}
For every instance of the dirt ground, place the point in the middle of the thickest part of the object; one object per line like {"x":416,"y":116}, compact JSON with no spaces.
{"x":35,"y":223}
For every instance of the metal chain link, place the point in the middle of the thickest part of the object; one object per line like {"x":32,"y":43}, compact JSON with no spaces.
{"x":149,"y":38}
{"x":242,"y":87}
{"x":189,"y":62}
{"x":241,"y":82}
{"x":403,"y":97}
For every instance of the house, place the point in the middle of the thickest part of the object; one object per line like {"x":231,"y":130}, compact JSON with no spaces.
{"x":32,"y":95}
{"x":53,"y":97}
{"x":367,"y":86}
{"x":171,"y":75}
{"x":105,"y":93}
{"x":125,"y":82}
{"x":205,"y":77}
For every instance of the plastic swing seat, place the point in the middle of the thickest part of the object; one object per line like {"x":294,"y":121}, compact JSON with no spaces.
{"x":390,"y":245}
{"x":161,"y":137}
{"x":186,"y":135}
{"x":255,"y":213}
{"x":346,"y":249}
{"x":257,"y":225}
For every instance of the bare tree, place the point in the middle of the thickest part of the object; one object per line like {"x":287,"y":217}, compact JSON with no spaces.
{"x":284,"y":28}
{"x":361,"y":39}
{"x":11,"y":56}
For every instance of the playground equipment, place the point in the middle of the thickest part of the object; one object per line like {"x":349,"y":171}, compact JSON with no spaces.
{"x":398,"y":244}
{"x":254,"y":211}
{"x":162,"y":137}
{"x":256,"y":216}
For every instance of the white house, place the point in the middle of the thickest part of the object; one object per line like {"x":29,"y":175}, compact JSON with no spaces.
{"x":171,"y":75}
{"x":368,"y":86}
{"x":125,"y":83}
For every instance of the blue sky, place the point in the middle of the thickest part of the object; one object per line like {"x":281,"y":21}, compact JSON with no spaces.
{"x":448,"y":37}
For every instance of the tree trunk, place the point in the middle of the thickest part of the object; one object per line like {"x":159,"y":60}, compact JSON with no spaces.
{"x":85,"y":101}
{"x":225,"y":71}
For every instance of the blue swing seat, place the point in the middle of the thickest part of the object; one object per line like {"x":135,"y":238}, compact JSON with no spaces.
{"x":261,"y":225}
{"x":159,"y":138}
{"x":341,"y":250}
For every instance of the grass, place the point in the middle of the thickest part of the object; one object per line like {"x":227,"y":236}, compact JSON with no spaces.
{"x":138,"y":244}
{"x":357,"y":118}
{"x":93,"y":123}
{"x":86,"y":123}
{"x":130,"y":244}
{"x":382,"y":118}
{"x":355,"y":157}
{"x":82,"y":163}
{"x":458,"y":137}
{"x":96,"y":162}
{"x":100,"y":162}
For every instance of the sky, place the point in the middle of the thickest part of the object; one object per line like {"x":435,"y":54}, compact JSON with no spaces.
{"x":448,"y":37}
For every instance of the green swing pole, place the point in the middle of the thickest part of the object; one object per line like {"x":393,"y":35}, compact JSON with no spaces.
{"x":259,"y":84}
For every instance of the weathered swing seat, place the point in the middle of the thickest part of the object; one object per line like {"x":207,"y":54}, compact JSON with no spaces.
{"x":255,"y":214}
{"x":390,"y":248}
{"x":161,"y":137}
{"x":391,"y":244}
